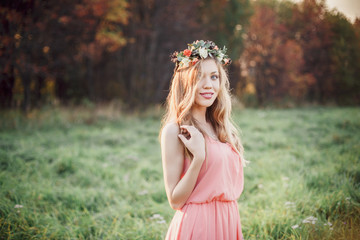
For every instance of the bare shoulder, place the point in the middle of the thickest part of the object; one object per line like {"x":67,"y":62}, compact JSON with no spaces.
{"x":170,"y":131}
{"x":169,"y":138}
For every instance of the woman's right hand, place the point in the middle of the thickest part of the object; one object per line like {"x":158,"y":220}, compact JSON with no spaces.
{"x":194,"y":141}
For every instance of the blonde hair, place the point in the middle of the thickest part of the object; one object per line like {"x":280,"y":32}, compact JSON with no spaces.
{"x":181,"y":98}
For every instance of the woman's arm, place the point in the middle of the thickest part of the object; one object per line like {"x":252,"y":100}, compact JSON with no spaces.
{"x":179,"y":189}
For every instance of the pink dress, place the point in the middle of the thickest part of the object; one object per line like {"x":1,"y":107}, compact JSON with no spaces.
{"x":211,"y":211}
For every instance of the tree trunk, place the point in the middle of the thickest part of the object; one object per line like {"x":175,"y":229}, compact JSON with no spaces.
{"x":37,"y":100}
{"x":90,"y":78}
{"x":6,"y":89}
{"x":26,"y":80}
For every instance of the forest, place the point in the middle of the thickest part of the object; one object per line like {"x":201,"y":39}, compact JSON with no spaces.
{"x":97,"y":51}
{"x":82,"y":91}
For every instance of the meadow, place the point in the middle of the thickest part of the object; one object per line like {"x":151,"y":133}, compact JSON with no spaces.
{"x":96,"y":173}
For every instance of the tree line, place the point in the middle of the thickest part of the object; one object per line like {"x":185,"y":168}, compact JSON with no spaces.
{"x":116,"y":49}
{"x":302,"y":52}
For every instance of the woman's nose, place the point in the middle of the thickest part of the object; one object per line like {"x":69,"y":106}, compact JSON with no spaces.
{"x":207,"y":83}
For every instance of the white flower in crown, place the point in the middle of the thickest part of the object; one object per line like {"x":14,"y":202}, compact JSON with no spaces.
{"x":203,"y":53}
{"x":185,"y":62}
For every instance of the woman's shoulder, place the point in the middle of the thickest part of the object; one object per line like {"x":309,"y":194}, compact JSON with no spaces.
{"x":170,"y":129}
{"x":169,"y":138}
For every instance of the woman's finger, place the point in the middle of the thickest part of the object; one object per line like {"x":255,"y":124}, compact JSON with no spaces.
{"x":189,"y":128}
{"x":183,"y":130}
{"x":182,"y":138}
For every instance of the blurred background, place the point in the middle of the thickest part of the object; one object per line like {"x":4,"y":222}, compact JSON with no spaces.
{"x":285,"y":53}
{"x":82,"y":87}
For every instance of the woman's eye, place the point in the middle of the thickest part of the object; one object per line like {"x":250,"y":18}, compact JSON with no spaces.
{"x":214,"y":77}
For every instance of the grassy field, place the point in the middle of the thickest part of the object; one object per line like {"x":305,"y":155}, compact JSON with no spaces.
{"x":96,"y":174}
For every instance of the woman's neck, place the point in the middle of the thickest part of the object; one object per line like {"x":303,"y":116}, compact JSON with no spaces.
{"x":199,"y":113}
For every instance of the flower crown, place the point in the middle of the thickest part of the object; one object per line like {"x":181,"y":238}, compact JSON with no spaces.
{"x":200,"y":50}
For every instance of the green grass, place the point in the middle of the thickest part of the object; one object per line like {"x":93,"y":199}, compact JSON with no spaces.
{"x":96,"y":174}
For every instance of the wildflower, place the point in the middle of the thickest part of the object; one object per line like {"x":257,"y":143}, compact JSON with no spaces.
{"x":173,"y":56}
{"x":185,"y":62}
{"x":159,"y":219}
{"x":310,"y":219}
{"x":18,"y":206}
{"x":195,"y":61}
{"x":295,"y":226}
{"x":328,"y":223}
{"x":187,"y":52}
{"x":289,"y":204}
{"x":156,"y":216}
{"x":260,"y":186}
{"x":203,"y":53}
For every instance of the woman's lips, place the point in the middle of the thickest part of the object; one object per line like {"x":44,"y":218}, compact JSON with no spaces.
{"x":207,"y":95}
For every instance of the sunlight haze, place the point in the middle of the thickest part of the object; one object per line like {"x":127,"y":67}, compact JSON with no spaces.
{"x":350,"y":8}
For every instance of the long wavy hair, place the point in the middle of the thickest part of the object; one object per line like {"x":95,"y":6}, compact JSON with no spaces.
{"x":181,"y":99}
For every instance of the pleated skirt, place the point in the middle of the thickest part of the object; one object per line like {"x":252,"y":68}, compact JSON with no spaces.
{"x":215,"y":220}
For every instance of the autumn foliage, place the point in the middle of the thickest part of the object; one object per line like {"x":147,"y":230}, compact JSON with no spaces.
{"x":101,"y":50}
{"x":301,"y":52}
{"x":47,"y":48}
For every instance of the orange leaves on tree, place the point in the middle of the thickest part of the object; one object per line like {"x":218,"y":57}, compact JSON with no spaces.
{"x":109,"y":34}
{"x":272,"y":62}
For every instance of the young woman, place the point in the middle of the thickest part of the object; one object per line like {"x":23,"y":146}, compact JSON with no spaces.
{"x":202,"y":154}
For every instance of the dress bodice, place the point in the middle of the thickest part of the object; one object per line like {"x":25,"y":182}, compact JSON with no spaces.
{"x":221,"y":176}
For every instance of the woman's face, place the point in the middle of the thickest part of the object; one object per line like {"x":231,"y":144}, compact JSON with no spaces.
{"x":209,"y":83}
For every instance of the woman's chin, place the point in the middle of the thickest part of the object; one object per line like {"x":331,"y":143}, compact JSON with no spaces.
{"x":205,"y":103}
